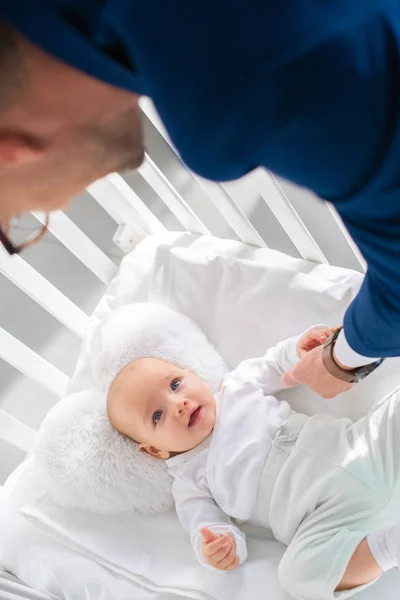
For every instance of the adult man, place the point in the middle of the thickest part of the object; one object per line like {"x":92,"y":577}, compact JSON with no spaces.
{"x":309,"y":89}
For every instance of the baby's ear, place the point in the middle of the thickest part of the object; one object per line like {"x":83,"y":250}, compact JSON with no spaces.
{"x":153,"y":451}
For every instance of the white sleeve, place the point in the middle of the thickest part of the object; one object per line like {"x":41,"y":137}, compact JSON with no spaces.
{"x":347,"y":356}
{"x":267,"y":371}
{"x":196,"y":508}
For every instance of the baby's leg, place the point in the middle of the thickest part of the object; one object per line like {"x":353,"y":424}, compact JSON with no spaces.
{"x":354,"y":473}
{"x":377,"y":553}
{"x":362,"y":569}
{"x":304,"y":574}
{"x":320,"y":566}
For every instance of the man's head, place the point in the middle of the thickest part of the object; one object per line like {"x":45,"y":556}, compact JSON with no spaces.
{"x":59,"y":129}
{"x":161,"y":406}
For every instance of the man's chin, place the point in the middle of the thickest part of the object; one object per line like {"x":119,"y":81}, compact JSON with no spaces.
{"x":132,"y":162}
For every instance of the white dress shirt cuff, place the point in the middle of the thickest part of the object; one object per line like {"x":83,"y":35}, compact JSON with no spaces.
{"x":349,"y":357}
{"x":240,"y":539}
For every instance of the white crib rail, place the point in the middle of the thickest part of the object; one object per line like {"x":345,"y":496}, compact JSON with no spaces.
{"x":263,"y":183}
{"x":80,"y":245}
{"x":124,"y":206}
{"x":361,"y":260}
{"x":129,"y":211}
{"x":230,"y":211}
{"x":44,"y":293}
{"x":31,"y":364}
{"x":166,"y":191}
{"x":15,"y":432}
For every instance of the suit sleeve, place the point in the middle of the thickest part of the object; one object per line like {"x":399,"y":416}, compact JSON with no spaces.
{"x":336,"y":130}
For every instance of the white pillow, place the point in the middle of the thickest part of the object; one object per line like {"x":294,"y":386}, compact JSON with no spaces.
{"x":86,"y":464}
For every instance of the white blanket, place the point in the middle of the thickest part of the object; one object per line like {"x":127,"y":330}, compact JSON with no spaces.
{"x":245,"y":300}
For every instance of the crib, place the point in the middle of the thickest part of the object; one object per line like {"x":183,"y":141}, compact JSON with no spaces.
{"x":259,"y":210}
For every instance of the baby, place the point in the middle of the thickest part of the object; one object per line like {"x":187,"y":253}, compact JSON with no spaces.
{"x":327,"y":488}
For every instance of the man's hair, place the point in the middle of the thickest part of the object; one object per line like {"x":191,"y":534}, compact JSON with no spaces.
{"x":12,"y":73}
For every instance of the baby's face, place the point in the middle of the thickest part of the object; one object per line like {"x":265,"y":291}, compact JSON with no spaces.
{"x":161,"y":406}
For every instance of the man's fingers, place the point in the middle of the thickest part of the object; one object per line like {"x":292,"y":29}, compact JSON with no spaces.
{"x":289,"y":378}
{"x":310,"y":370}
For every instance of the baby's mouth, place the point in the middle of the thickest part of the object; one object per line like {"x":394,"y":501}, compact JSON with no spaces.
{"x":194,"y":417}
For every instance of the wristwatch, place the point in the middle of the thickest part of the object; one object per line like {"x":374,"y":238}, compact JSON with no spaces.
{"x":351,"y":376}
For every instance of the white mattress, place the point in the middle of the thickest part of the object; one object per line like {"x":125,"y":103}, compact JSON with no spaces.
{"x":245,"y":299}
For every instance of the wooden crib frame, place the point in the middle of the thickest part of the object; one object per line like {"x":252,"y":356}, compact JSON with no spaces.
{"x":134,"y":220}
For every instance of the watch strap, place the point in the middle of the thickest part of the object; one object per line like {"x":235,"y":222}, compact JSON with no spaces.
{"x":351,"y":375}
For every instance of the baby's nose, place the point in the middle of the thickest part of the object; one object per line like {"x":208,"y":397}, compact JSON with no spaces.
{"x":182,"y":406}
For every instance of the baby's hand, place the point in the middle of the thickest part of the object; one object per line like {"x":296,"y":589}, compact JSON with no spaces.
{"x":312,"y":339}
{"x":219,"y":550}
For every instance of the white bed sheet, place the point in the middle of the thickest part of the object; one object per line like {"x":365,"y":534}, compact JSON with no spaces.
{"x":245,"y":299}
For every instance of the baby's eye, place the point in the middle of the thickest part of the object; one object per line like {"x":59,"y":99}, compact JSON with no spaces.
{"x":175,"y":384}
{"x":157,"y":416}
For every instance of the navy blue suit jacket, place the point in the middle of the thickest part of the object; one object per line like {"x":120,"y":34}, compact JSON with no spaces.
{"x":309,"y":89}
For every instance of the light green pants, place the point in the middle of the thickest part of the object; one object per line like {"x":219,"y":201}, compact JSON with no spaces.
{"x":328,"y":483}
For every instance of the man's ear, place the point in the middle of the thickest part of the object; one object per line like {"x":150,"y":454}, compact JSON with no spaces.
{"x":18,"y":149}
{"x":153,"y":451}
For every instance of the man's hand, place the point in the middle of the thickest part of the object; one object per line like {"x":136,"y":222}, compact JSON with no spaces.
{"x":219,"y":550}
{"x":310,"y":368}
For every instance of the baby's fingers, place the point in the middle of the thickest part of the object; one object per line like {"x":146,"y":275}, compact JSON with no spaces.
{"x":312,"y":339}
{"x":223,"y":552}
{"x":234,"y":565}
{"x":213,"y":547}
{"x":208,"y":536}
{"x":228,"y":562}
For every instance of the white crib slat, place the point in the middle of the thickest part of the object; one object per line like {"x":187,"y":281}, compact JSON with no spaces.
{"x":168,"y":194}
{"x":231,"y":212}
{"x":80,"y":245}
{"x":124,"y":205}
{"x":356,"y":251}
{"x":265,"y":183}
{"x":15,"y":432}
{"x":31,"y":364}
{"x":218,"y":195}
{"x":44,"y":293}
{"x":148,"y":108}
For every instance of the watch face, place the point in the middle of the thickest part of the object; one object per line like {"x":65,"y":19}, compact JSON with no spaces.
{"x":360,"y":375}
{"x":363,"y":372}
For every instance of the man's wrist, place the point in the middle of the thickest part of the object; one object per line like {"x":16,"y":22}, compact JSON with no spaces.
{"x":346,"y":357}
{"x":350,"y":375}
{"x":337,"y":361}
{"x":331,"y":365}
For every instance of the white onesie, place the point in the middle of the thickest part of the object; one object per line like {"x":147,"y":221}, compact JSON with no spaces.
{"x":220,"y":478}
{"x":320,"y":483}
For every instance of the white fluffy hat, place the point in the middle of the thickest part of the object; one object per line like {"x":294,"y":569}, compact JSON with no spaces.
{"x":145,"y":329}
